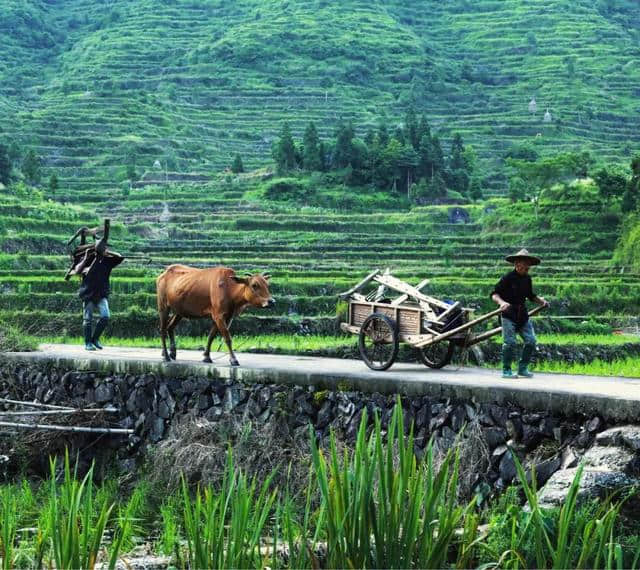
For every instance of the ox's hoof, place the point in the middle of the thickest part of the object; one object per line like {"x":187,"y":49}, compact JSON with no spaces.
{"x":165,"y":358}
{"x":172,"y":355}
{"x":207,"y":359}
{"x":234,"y":362}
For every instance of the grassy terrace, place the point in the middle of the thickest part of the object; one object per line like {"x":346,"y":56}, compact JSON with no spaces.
{"x":312,"y":254}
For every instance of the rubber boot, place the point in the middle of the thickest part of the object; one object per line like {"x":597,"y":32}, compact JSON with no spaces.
{"x":100,"y":326}
{"x":527,"y":353}
{"x":507,"y":359}
{"x":88,"y":344}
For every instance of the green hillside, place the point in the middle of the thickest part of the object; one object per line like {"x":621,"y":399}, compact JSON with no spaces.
{"x":96,"y":86}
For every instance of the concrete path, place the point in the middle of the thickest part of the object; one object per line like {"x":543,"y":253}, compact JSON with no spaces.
{"x":611,"y":397}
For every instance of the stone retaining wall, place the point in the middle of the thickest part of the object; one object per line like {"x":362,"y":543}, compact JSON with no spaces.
{"x":149,"y":404}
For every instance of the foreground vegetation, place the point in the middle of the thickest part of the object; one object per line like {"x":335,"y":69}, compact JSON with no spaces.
{"x":376,"y":506}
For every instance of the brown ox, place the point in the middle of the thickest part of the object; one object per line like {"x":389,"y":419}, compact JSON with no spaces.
{"x":214,"y":292}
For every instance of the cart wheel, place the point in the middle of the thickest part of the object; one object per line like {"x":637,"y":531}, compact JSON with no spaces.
{"x":378,"y":341}
{"x":436,"y":355}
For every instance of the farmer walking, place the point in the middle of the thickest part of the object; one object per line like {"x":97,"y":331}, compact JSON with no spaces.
{"x":94,"y":291}
{"x":510,"y":293}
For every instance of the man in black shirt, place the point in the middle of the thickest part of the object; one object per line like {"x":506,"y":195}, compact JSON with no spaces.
{"x":94,"y":291}
{"x":510,"y":294}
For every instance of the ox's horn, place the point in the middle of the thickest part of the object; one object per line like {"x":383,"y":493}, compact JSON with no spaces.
{"x":266,"y":276}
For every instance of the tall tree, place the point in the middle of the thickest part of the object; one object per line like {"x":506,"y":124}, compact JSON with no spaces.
{"x":610,"y":184}
{"x":412,"y":135}
{"x":236,"y":166}
{"x":311,"y":159}
{"x":456,"y":160}
{"x":53,"y":184}
{"x":284,"y":150}
{"x":423,"y":129}
{"x":343,"y":152}
{"x":31,"y":167}
{"x":5,"y":165}
{"x":438,"y":155}
{"x":383,"y":135}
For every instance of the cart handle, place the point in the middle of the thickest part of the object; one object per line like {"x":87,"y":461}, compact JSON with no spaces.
{"x":488,"y":334}
{"x":468,"y":325}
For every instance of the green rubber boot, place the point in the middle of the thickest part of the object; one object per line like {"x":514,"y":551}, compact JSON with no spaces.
{"x":100,"y":326}
{"x":88,"y":345}
{"x":527,"y":353}
{"x":507,"y":359}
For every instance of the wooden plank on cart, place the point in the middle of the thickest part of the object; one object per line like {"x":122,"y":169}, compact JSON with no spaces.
{"x":402,"y":298}
{"x":360,"y":285}
{"x":403,"y":287}
{"x":443,"y":316}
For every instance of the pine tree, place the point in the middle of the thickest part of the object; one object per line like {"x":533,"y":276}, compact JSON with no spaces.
{"x":456,"y":161}
{"x":5,"y":165}
{"x":53,"y":184}
{"x":629,"y":202}
{"x":343,"y":152}
{"x":31,"y":167}
{"x":411,"y":129}
{"x":237,"y":165}
{"x":423,"y":129}
{"x":284,"y":151}
{"x":438,"y":155}
{"x":383,"y":135}
{"x":311,"y":159}
{"x":475,"y":190}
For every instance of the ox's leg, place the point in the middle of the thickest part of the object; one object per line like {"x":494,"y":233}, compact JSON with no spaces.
{"x":212,"y":334}
{"x":172,"y":337}
{"x":224,"y":331}
{"x":164,"y":318}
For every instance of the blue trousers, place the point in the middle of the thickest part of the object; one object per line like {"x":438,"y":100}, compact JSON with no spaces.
{"x":102,"y":306}
{"x":510,"y":330}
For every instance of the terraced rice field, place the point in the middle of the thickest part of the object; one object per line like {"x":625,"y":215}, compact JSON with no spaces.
{"x":313,"y":255}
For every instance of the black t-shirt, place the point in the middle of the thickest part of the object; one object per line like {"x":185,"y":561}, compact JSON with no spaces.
{"x":515,"y":289}
{"x":95,"y":284}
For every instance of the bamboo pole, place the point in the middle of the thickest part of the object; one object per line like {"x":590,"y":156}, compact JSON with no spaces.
{"x":34,"y":404}
{"x":46,"y":427}
{"x":55,"y":412}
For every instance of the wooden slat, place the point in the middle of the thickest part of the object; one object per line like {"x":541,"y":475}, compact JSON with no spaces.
{"x":360,"y":285}
{"x":442,"y":316}
{"x":405,"y":296}
{"x":403,"y":287}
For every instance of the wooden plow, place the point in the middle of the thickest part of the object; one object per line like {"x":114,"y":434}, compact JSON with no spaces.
{"x":84,"y":254}
{"x":432,"y":326}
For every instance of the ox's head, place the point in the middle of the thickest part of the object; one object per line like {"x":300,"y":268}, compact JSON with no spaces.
{"x":256,"y":291}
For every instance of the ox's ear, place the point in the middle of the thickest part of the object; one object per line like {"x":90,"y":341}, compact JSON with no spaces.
{"x":240,"y":280}
{"x":266,"y":276}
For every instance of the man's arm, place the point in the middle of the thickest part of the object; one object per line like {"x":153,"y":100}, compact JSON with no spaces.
{"x":500,"y":302}
{"x":535,"y":298}
{"x":540,"y":300}
{"x":496,"y":295}
{"x":114,"y":258}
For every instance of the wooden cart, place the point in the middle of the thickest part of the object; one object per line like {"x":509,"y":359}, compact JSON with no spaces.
{"x":432,"y":326}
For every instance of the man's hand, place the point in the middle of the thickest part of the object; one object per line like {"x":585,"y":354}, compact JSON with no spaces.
{"x":504,"y":306}
{"x":543,"y":302}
